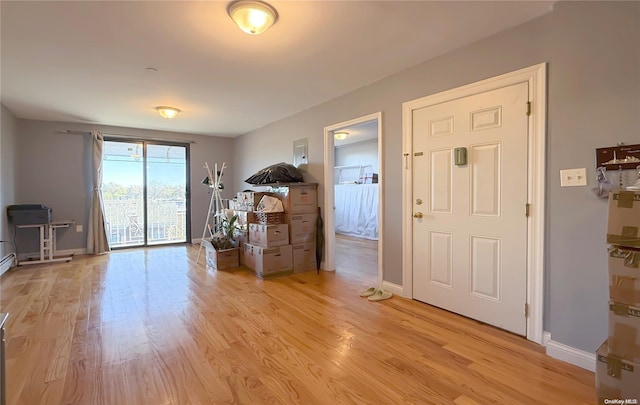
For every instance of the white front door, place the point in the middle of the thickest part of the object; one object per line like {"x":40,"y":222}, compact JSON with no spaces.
{"x":470,"y":244}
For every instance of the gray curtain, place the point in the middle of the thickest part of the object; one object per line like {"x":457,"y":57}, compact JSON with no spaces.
{"x":97,"y":241}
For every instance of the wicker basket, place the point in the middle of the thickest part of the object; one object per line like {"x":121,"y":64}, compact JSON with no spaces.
{"x":270,"y":218}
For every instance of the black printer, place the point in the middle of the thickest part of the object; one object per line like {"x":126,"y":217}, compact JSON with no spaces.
{"x":27,"y":214}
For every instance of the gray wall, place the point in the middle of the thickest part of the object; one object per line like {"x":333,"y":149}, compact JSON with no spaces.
{"x":55,"y":169}
{"x":593,"y":55}
{"x":8,"y":136}
{"x":359,"y":154}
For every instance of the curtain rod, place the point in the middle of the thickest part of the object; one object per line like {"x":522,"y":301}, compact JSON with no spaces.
{"x":123,"y":136}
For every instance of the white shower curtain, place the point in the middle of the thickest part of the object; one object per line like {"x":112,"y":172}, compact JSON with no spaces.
{"x":97,"y":241}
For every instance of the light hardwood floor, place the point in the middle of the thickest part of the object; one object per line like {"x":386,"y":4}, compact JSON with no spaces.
{"x":357,"y":258}
{"x":151,"y":327}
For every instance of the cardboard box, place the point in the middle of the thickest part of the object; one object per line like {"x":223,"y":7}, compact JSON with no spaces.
{"x":616,"y":378}
{"x":624,"y":275}
{"x":248,"y":200}
{"x":302,"y":227}
{"x":269,"y":235}
{"x":623,"y":228}
{"x":298,"y":198}
{"x":245,"y":217}
{"x":242,"y":240}
{"x":220,"y":259}
{"x":269,"y":262}
{"x":304,"y":257}
{"x":624,"y":331}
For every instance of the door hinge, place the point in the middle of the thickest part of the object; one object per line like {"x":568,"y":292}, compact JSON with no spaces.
{"x":528,"y":108}
{"x":526,"y":310}
{"x":527,"y":207}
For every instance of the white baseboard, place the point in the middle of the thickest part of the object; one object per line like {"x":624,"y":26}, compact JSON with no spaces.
{"x":74,"y":252}
{"x":7,"y":262}
{"x":569,"y":354}
{"x":65,"y":252}
{"x":392,"y":288}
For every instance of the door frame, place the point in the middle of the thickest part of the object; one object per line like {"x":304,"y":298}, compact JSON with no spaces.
{"x":535,"y":76}
{"x":329,"y":263}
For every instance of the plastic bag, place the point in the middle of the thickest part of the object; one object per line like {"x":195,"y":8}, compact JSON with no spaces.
{"x":278,"y":173}
{"x":269,"y":204}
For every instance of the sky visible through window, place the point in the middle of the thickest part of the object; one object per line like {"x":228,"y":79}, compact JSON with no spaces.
{"x":132,"y":219}
{"x":123,"y":162}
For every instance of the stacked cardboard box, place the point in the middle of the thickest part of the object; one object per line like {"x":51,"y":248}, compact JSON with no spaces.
{"x":618,"y":365}
{"x":298,"y":198}
{"x":300,"y":201}
{"x":244,"y":219}
{"x":268,"y":252}
{"x":265,"y":248}
{"x":278,"y":249}
{"x":269,"y":262}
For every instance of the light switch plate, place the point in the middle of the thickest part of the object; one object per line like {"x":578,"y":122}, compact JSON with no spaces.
{"x":573,"y":177}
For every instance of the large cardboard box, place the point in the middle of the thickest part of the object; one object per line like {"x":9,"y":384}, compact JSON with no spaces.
{"x":624,"y":218}
{"x":304,"y":257}
{"x":269,"y":262}
{"x":302,"y":227}
{"x":624,"y":331}
{"x":298,"y":198}
{"x":624,"y":275}
{"x":220,"y":259}
{"x":268,"y":235}
{"x":616,"y":378}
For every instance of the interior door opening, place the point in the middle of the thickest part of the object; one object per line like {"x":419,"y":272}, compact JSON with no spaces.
{"x":145,"y":192}
{"x":353,"y":198}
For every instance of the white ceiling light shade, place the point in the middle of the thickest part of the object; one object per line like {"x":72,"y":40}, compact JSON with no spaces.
{"x":167,"y":112}
{"x":341,"y":136}
{"x":252,"y":16}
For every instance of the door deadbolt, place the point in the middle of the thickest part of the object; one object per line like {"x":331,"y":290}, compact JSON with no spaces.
{"x":418,"y":215}
{"x":418,"y":201}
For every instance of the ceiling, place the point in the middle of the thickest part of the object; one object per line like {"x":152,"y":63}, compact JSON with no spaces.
{"x":365,"y":131}
{"x":86,"y":61}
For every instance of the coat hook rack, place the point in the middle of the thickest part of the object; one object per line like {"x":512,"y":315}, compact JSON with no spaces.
{"x":620,"y":157}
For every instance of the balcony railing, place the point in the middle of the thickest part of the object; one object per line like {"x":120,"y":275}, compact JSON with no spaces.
{"x":166,"y":222}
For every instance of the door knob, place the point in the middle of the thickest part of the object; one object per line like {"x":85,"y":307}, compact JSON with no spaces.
{"x":417,"y":215}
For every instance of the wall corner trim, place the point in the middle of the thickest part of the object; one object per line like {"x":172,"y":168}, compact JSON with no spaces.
{"x":394,"y":288}
{"x":571,"y":355}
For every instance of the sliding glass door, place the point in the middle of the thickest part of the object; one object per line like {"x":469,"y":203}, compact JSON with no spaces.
{"x":166,"y":180}
{"x":145,"y":191}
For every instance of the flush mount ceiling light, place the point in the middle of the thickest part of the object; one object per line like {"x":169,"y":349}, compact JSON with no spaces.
{"x":341,"y":136}
{"x":252,"y":16}
{"x":167,"y":112}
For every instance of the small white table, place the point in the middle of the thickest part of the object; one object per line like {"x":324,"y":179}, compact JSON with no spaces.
{"x":47,"y":242}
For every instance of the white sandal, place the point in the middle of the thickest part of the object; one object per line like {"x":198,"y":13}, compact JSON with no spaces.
{"x":380,"y":295}
{"x":368,"y":292}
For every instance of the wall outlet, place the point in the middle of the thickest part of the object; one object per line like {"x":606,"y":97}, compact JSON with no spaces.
{"x":573,"y":177}
{"x":78,"y":228}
